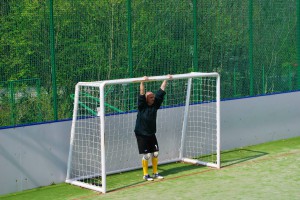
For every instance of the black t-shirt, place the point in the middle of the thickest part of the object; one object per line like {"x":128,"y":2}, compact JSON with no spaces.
{"x":146,"y":117}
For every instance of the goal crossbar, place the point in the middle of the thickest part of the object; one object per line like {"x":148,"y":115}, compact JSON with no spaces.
{"x":151,"y":78}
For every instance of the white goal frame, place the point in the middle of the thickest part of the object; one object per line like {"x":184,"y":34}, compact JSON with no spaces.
{"x":101,"y":114}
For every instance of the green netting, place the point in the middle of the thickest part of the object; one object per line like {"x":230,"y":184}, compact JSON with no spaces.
{"x":251,"y":43}
{"x":274,"y":48}
{"x":162,"y":37}
{"x":21,"y":102}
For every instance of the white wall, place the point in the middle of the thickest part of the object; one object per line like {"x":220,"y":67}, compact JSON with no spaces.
{"x":257,"y":120}
{"x":37,"y":155}
{"x":33,"y":156}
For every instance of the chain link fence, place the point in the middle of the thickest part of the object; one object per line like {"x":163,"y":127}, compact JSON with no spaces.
{"x":47,"y":47}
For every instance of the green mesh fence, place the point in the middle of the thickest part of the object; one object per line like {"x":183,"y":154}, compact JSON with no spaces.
{"x":274,"y":46}
{"x":46,"y":47}
{"x":21,"y":102}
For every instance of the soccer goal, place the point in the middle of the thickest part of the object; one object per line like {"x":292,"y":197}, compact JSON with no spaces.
{"x":102,"y":134}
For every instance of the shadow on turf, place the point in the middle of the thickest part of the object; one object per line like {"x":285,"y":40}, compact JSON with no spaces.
{"x":228,"y":158}
{"x":236,"y":156}
{"x":166,"y":170}
{"x":182,"y":167}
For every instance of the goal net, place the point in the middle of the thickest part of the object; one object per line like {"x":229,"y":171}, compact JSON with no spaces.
{"x":102,"y":134}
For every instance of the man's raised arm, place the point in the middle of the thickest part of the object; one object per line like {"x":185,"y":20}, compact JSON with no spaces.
{"x":164,"y":83}
{"x":142,"y":86}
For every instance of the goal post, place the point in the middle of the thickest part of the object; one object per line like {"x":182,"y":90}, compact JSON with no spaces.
{"x":102,"y":134}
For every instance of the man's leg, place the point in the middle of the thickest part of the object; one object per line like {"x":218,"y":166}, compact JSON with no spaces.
{"x":142,"y":145}
{"x":145,"y":159}
{"x":155,"y":162}
{"x":154,"y":166}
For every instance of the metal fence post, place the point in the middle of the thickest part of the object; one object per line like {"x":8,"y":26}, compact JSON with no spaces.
{"x":53,"y":67}
{"x":251,"y":45}
{"x":298,"y":44}
{"x":195,"y":56}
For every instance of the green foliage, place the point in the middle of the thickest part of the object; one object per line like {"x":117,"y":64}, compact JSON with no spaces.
{"x":91,"y":44}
